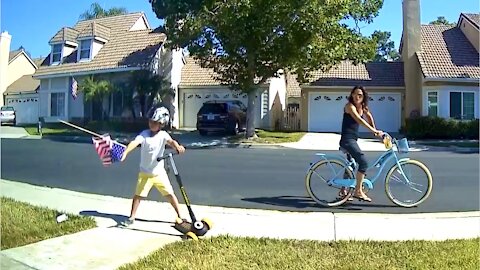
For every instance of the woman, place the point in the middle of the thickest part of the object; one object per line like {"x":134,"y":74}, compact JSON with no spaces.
{"x":353,"y":113}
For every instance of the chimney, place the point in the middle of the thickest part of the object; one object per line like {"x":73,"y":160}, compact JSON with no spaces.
{"x":411,"y":44}
{"x":5,"y":40}
{"x":411,"y":28}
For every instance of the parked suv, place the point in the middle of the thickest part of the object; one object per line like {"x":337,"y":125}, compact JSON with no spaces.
{"x":8,"y":115}
{"x":229,"y":116}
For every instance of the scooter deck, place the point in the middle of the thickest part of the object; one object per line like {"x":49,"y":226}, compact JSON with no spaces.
{"x":183,"y":227}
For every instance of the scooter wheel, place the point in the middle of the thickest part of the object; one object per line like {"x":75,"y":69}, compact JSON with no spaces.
{"x":208,"y":223}
{"x":192,"y":236}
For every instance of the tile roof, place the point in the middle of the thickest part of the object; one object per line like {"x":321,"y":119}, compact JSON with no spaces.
{"x":24,"y":84}
{"x":474,"y":18}
{"x":447,"y":53}
{"x":293,"y":87}
{"x":368,"y":74}
{"x":38,"y":61}
{"x":194,"y":75}
{"x":124,"y":49}
{"x":64,"y":34}
{"x":13,"y":54}
{"x":95,"y":30}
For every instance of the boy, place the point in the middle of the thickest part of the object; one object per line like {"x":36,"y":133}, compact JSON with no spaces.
{"x":152,"y":172}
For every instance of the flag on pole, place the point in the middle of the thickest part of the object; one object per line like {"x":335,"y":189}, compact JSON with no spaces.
{"x":74,"y":87}
{"x":108,"y":150}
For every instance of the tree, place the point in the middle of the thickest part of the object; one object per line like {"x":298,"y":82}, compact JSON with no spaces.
{"x":96,"y":11}
{"x":149,"y":88}
{"x":385,"y":47}
{"x":94,"y":89}
{"x":247,"y":42}
{"x":441,"y":20}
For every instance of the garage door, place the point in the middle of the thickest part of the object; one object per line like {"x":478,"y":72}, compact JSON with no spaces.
{"x":193,"y":99}
{"x":26,"y":107}
{"x":325,"y":111}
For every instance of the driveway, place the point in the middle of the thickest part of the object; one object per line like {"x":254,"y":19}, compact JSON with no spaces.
{"x":12,"y":132}
{"x":192,"y":138}
{"x":330,"y":141}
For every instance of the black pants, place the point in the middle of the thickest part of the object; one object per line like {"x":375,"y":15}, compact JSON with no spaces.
{"x":353,"y":149}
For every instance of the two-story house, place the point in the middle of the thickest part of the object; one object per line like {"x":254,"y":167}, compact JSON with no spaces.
{"x":438,"y":75}
{"x":107,"y":48}
{"x":18,"y":89}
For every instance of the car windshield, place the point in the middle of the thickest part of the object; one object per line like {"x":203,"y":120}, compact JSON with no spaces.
{"x":7,"y":109}
{"x":215,"y":108}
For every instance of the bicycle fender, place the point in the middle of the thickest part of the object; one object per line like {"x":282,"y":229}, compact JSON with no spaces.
{"x":332,"y":156}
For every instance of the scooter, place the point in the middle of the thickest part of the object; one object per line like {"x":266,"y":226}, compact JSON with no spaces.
{"x":195,"y":228}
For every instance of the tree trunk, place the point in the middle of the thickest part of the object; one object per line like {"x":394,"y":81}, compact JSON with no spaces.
{"x":251,"y":109}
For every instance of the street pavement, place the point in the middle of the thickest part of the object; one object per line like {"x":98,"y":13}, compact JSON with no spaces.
{"x":265,"y":178}
{"x":225,"y":185}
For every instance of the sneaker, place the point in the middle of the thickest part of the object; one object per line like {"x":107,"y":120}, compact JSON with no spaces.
{"x":127,"y":222}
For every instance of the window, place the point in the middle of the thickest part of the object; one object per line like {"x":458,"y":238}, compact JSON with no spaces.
{"x":432,"y":99}
{"x":56,"y":53}
{"x":462,"y":105}
{"x":57,"y":104}
{"x":85,"y":46}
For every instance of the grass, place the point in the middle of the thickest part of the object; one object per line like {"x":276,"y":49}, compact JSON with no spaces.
{"x":265,"y":136}
{"x":58,"y":129}
{"x":24,"y":224}
{"x":474,"y":144}
{"x":248,"y":253}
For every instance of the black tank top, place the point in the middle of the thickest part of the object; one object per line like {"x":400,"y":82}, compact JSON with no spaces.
{"x":349,"y":127}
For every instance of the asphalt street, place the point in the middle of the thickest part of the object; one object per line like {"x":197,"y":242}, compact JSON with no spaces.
{"x":267,"y":178}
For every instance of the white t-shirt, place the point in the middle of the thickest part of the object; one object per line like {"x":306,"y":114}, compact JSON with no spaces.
{"x":152,"y":148}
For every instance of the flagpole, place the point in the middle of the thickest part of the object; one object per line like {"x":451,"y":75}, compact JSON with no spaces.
{"x":87,"y":131}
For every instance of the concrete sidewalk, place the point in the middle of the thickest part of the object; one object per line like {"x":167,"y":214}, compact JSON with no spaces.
{"x":109,"y":246}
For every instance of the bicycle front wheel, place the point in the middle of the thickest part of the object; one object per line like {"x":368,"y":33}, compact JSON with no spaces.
{"x":408,"y":183}
{"x":318,"y":178}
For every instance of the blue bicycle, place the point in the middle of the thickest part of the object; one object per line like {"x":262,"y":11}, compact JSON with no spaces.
{"x":408,"y":182}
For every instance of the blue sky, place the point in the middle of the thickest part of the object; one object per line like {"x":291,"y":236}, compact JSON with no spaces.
{"x":33,"y":22}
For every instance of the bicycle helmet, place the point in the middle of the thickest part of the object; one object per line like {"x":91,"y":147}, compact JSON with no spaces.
{"x":160,"y":115}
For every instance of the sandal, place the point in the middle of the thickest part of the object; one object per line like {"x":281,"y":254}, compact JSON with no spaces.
{"x":342,"y":195}
{"x":363,"y":198}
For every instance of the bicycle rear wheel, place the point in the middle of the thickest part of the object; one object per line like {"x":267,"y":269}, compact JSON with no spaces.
{"x":409,"y":186}
{"x":317,"y":178}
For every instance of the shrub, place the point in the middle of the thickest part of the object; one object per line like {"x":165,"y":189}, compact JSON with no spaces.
{"x":428,"y":127}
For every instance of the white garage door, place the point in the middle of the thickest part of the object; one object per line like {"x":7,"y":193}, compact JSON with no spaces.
{"x":193,"y":99}
{"x":326,"y":111}
{"x":26,"y":107}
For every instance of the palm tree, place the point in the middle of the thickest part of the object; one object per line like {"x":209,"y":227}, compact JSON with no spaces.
{"x":97,"y":90}
{"x":96,"y":11}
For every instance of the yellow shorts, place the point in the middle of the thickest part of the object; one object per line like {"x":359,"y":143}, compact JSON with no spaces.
{"x":146,"y":181}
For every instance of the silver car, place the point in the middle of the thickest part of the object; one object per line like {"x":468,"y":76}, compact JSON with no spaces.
{"x":7,"y":115}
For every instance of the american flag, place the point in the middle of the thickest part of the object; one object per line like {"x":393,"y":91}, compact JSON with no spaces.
{"x":108,"y":150}
{"x":74,"y":87}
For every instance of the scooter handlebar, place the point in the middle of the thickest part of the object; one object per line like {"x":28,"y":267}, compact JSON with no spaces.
{"x":166,"y":156}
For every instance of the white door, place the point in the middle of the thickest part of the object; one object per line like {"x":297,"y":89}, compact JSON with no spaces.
{"x":386,"y":109}
{"x":193,"y":100}
{"x":325,"y":111}
{"x":26,"y":107}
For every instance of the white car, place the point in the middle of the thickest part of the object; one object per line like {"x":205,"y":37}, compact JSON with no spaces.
{"x":7,"y":115}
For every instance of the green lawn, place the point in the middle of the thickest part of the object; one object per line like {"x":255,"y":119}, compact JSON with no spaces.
{"x":265,"y":136}
{"x":58,"y":129}
{"x":248,"y":253}
{"x":24,"y":224}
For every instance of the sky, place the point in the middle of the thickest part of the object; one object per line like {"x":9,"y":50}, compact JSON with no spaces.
{"x":32,"y":23}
